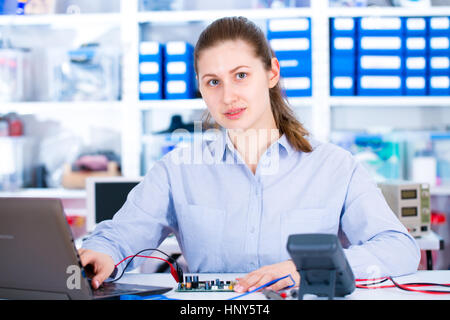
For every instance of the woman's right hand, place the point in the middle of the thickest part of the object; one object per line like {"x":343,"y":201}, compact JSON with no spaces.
{"x":98,"y":266}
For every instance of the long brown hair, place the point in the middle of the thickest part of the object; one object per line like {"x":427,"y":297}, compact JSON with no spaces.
{"x":240,"y":28}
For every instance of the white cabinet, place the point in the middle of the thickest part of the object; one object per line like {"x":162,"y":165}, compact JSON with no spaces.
{"x":321,"y":113}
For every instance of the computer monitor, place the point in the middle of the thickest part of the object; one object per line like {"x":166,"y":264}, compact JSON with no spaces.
{"x":105,"y":196}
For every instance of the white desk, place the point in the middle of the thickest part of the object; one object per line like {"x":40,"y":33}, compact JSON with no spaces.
{"x":166,"y":280}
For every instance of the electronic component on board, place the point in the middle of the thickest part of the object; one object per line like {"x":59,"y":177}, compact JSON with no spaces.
{"x":193,"y":284}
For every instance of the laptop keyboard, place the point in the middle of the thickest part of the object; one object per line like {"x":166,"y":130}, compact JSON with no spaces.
{"x":116,"y":289}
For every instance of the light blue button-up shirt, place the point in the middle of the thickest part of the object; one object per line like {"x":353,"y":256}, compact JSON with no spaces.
{"x":227,"y":219}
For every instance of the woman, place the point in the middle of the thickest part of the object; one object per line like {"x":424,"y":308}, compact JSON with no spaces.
{"x":261,"y":180}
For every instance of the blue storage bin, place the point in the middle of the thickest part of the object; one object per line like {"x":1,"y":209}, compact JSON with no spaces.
{"x":438,"y":45}
{"x":178,"y":51}
{"x":415,"y":45}
{"x":380,"y":65}
{"x":295,"y":67}
{"x":439,"y":65}
{"x":178,"y":89}
{"x":288,"y":28}
{"x":342,"y":85}
{"x":150,"y":51}
{"x":380,"y":45}
{"x":415,"y":85}
{"x":150,"y":90}
{"x":379,"y":26}
{"x":289,"y":48}
{"x":179,"y":76}
{"x":343,"y":26}
{"x":381,"y":85}
{"x":438,"y":85}
{"x":415,"y":26}
{"x":177,"y":69}
{"x":342,"y":45}
{"x":150,"y":70}
{"x":415,"y":65}
{"x":438,"y":26}
{"x":297,"y":86}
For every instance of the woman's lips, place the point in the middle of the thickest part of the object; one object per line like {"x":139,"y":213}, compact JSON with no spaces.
{"x":234,"y":114}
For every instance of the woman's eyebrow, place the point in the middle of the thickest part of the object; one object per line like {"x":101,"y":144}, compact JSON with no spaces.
{"x":231,"y":71}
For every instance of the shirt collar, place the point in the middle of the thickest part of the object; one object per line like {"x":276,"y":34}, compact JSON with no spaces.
{"x":284,"y":143}
{"x":223,"y":142}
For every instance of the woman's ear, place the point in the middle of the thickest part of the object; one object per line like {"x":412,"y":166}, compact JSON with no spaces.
{"x":274,"y":73}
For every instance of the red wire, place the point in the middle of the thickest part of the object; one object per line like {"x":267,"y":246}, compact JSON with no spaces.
{"x":382,"y":278}
{"x":406,"y":287}
{"x":421,"y":291}
{"x":139,"y":256}
{"x":172,"y":268}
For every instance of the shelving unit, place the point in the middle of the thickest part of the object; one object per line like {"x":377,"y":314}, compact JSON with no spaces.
{"x":131,"y":111}
{"x":60,"y":20}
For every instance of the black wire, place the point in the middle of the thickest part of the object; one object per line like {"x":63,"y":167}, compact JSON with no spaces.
{"x":367,"y":285}
{"x":426,"y":284}
{"x":426,"y":291}
{"x":171,"y":260}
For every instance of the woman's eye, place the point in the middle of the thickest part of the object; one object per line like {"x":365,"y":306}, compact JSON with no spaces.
{"x":241,"y":75}
{"x":213,"y":82}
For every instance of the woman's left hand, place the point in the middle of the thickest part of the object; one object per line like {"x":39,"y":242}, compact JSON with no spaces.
{"x":268,"y":273}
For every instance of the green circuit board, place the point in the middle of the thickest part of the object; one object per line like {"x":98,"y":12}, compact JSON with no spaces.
{"x":206,"y":286}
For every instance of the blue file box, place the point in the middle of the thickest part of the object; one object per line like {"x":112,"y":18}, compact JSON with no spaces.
{"x":150,"y":51}
{"x":179,"y":89}
{"x":343,"y":26}
{"x":178,"y":50}
{"x":179,"y":78}
{"x":414,"y":26}
{"x":415,"y":45}
{"x":369,"y":85}
{"x":439,"y":85}
{"x":342,"y":45}
{"x":379,"y":26}
{"x":438,"y":26}
{"x":289,"y":28}
{"x":438,"y":45}
{"x":415,"y":65}
{"x":150,"y":90}
{"x":295,"y":67}
{"x":179,"y":70}
{"x":439,"y":65}
{"x":150,"y":70}
{"x":290,"y":48}
{"x":342,"y":85}
{"x":380,"y":45}
{"x":343,"y":64}
{"x":415,"y":85}
{"x":297,"y":86}
{"x":380,"y":65}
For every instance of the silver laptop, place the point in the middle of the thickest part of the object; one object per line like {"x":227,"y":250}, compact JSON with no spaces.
{"x":38,"y":258}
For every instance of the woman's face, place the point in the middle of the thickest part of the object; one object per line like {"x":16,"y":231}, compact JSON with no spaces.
{"x":235,"y":85}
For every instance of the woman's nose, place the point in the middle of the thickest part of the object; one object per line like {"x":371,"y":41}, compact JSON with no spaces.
{"x":229,"y":93}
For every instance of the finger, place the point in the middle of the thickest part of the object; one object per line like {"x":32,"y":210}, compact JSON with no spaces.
{"x":281,"y":284}
{"x":248,"y":281}
{"x":262,"y":281}
{"x":99,"y":278}
{"x":86,"y":257}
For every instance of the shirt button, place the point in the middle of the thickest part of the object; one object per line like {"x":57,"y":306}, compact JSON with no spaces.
{"x":252,"y":230}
